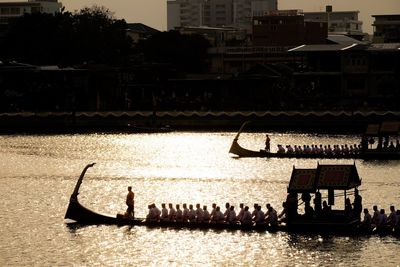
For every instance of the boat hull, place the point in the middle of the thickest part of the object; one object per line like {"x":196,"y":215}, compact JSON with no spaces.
{"x":239,"y":151}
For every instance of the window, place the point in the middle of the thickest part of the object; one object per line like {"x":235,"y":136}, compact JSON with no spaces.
{"x":5,"y":11}
{"x":15,"y":11}
{"x":35,"y":9}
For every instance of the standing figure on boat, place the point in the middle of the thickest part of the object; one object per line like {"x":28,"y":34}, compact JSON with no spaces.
{"x":267,"y":143}
{"x":130,"y":202}
{"x":357,"y":204}
{"x":318,"y":203}
{"x":291,"y":205}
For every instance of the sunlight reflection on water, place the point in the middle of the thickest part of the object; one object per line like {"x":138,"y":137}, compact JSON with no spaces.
{"x":39,"y":172}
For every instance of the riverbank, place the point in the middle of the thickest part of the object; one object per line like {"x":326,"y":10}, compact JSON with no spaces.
{"x":147,"y":121}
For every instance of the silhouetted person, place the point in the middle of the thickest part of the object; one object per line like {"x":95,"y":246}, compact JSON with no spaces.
{"x":348,"y":210}
{"x":317,"y":203}
{"x":357,"y":204}
{"x":130,"y":202}
{"x":267,"y":143}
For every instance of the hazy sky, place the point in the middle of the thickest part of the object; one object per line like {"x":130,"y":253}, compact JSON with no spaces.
{"x":153,"y":12}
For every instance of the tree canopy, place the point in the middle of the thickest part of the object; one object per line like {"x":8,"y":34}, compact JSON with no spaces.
{"x":91,"y":35}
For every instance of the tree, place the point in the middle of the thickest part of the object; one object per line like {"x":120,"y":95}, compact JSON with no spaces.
{"x":90,"y":35}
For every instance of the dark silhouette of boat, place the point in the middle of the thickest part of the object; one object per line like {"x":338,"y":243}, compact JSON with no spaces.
{"x":337,"y":223}
{"x":379,"y":153}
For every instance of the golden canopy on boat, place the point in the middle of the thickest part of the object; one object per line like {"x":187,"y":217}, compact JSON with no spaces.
{"x":342,"y":177}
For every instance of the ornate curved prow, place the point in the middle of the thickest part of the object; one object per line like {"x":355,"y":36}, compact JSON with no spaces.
{"x":241,"y":129}
{"x":79,"y":182}
{"x":235,"y":146}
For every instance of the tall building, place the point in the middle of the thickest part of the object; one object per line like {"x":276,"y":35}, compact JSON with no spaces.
{"x":386,"y":28}
{"x":340,"y":22}
{"x":216,"y":13}
{"x":12,"y":10}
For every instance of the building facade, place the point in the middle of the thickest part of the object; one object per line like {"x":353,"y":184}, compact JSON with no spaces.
{"x":342,"y":22}
{"x":287,"y":28}
{"x":12,"y":10}
{"x":386,"y":28}
{"x":354,"y":76}
{"x":216,"y":13}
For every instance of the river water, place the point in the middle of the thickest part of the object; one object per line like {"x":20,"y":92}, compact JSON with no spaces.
{"x":38,"y":173}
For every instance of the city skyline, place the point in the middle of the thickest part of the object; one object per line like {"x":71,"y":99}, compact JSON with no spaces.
{"x":154,"y":13}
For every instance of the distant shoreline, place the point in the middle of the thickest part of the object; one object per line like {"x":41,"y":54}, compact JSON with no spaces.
{"x":146,"y":121}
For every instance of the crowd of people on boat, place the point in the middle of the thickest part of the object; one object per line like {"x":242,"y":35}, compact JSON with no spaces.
{"x":333,"y":150}
{"x":271,"y":218}
{"x":384,"y":143}
{"x":380,"y":220}
{"x":201,"y":214}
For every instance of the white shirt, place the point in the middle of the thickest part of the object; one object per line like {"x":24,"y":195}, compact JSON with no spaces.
{"x":273,"y":218}
{"x":172,"y":214}
{"x":260,"y":218}
{"x":179,"y":215}
{"x":218,"y":216}
{"x":156,"y":213}
{"x":213,"y":212}
{"x":206,"y":216}
{"x":240,"y":215}
{"x":199,"y":215}
{"x":164,"y":213}
{"x":185,"y":214}
{"x":226,"y":213}
{"x":192,"y":215}
{"x":246,"y":218}
{"x":232,"y":216}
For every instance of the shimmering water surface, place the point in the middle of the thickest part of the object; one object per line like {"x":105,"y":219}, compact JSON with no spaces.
{"x":38,"y":174}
